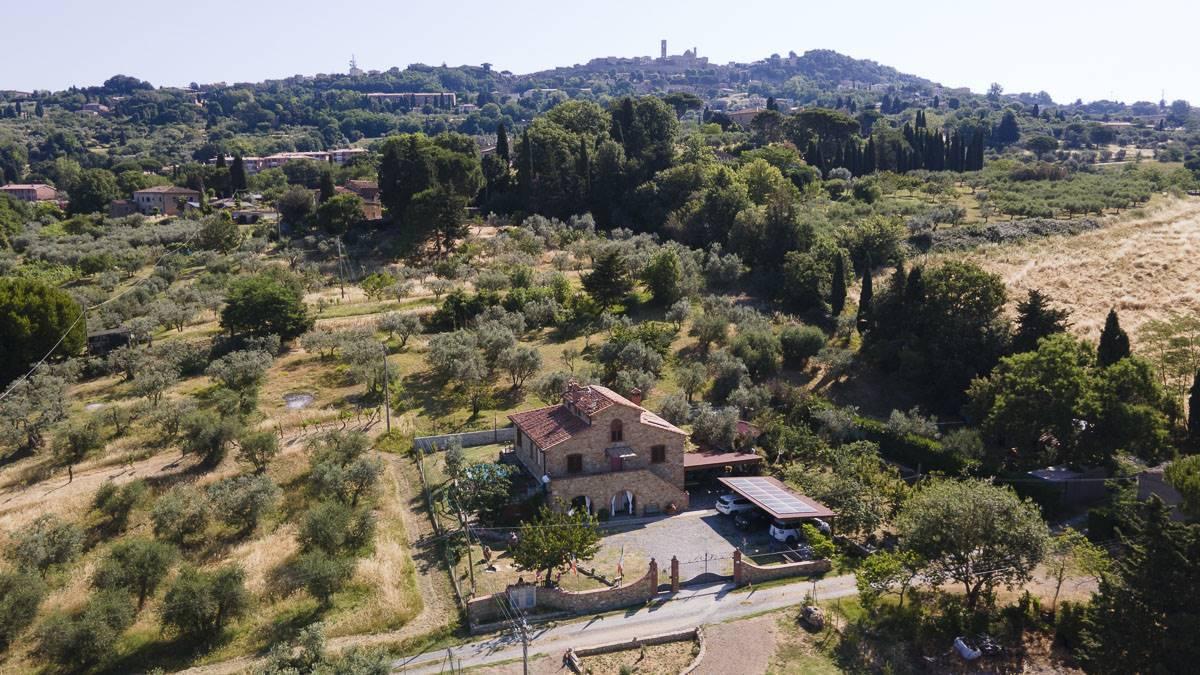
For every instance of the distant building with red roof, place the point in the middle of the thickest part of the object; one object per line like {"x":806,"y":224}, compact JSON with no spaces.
{"x":600,"y":450}
{"x":30,"y":192}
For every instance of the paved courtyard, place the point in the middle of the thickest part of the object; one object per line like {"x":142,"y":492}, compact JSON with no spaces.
{"x":692,"y":536}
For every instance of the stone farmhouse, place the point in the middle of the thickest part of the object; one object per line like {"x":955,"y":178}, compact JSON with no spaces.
{"x":598,"y":450}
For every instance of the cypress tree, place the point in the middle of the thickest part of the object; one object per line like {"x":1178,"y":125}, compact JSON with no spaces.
{"x":1194,"y":409}
{"x":1114,"y":342}
{"x":837,"y":292}
{"x":39,"y":110}
{"x":237,"y":174}
{"x":327,"y":187}
{"x":502,"y":142}
{"x":221,"y":159}
{"x":864,"y":299}
{"x":914,"y":289}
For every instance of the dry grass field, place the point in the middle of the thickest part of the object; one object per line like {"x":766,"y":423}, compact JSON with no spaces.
{"x":1145,"y":264}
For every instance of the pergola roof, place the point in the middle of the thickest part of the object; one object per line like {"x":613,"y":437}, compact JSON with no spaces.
{"x":708,"y":460}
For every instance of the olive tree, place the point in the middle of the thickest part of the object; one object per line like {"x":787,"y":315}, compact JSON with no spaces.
{"x":200,"y":603}
{"x":44,"y":543}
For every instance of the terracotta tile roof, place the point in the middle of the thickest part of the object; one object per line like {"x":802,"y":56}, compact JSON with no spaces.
{"x":592,"y":399}
{"x":169,"y":189}
{"x":650,"y":419}
{"x":548,"y":427}
{"x":552,"y":425}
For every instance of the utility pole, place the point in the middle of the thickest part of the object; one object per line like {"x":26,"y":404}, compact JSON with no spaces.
{"x":523,"y":627}
{"x":462,"y":521}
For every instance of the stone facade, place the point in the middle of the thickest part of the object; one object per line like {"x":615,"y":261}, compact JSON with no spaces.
{"x":607,"y":452}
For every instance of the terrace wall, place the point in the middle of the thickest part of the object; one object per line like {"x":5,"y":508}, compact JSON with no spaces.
{"x":468,"y":439}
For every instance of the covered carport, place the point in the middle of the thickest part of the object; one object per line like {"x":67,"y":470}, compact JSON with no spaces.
{"x":776,"y":499}
{"x":699,"y":467}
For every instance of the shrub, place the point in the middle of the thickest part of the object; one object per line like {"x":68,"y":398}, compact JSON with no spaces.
{"x":20,"y":596}
{"x":323,"y":574}
{"x":89,"y":636}
{"x":800,"y":343}
{"x":822,"y":545}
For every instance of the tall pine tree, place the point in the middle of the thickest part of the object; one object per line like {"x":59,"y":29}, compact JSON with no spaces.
{"x":1035,"y":320}
{"x":1144,"y":617}
{"x":837,"y":291}
{"x":1114,"y":342}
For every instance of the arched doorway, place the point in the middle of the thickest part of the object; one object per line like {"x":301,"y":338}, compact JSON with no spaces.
{"x":581,"y":503}
{"x":623,"y":503}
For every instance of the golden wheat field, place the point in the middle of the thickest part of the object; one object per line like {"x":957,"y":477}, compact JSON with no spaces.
{"x":1146,"y":264}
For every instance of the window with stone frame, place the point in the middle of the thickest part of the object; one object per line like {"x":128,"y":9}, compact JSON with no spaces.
{"x":616,"y":432}
{"x":658,"y":454}
{"x":574,"y":463}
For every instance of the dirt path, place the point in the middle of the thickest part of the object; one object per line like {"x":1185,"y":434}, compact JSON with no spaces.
{"x":1145,"y":267}
{"x":739,"y":646}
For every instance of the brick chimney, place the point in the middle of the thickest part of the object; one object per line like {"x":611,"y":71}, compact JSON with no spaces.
{"x":635,"y":395}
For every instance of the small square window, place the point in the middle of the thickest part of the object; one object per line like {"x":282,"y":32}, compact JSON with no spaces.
{"x":574,"y":463}
{"x":658,"y":454}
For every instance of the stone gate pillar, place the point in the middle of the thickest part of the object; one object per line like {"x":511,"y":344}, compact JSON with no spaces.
{"x":653,"y":576}
{"x":674,"y":574}
{"x":737,"y":567}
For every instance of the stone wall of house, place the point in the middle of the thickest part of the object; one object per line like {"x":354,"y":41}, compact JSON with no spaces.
{"x":651,"y":494}
{"x":468,"y":439}
{"x":486,"y":609}
{"x":746,"y":572}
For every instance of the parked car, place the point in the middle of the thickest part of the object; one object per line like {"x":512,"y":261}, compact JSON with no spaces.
{"x":753,"y":519}
{"x":732,"y":503}
{"x":787,"y":532}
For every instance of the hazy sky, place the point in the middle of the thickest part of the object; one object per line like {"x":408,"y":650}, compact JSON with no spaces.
{"x":1072,"y":49}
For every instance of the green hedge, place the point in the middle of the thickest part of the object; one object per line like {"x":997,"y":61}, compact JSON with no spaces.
{"x":910,"y":450}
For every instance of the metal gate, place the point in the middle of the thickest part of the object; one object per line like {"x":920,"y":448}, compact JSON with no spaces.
{"x":706,"y":569}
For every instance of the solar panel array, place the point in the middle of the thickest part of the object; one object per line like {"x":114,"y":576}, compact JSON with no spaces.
{"x":769,"y":495}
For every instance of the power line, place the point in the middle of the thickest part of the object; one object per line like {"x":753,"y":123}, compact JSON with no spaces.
{"x":83,"y":313}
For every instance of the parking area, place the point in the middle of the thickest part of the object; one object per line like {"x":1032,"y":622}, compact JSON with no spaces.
{"x":702,"y":539}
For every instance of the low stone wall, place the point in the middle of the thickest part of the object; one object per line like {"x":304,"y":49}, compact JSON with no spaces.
{"x":468,"y":439}
{"x":637,"y":643}
{"x":486,"y":609}
{"x":746,"y":572}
